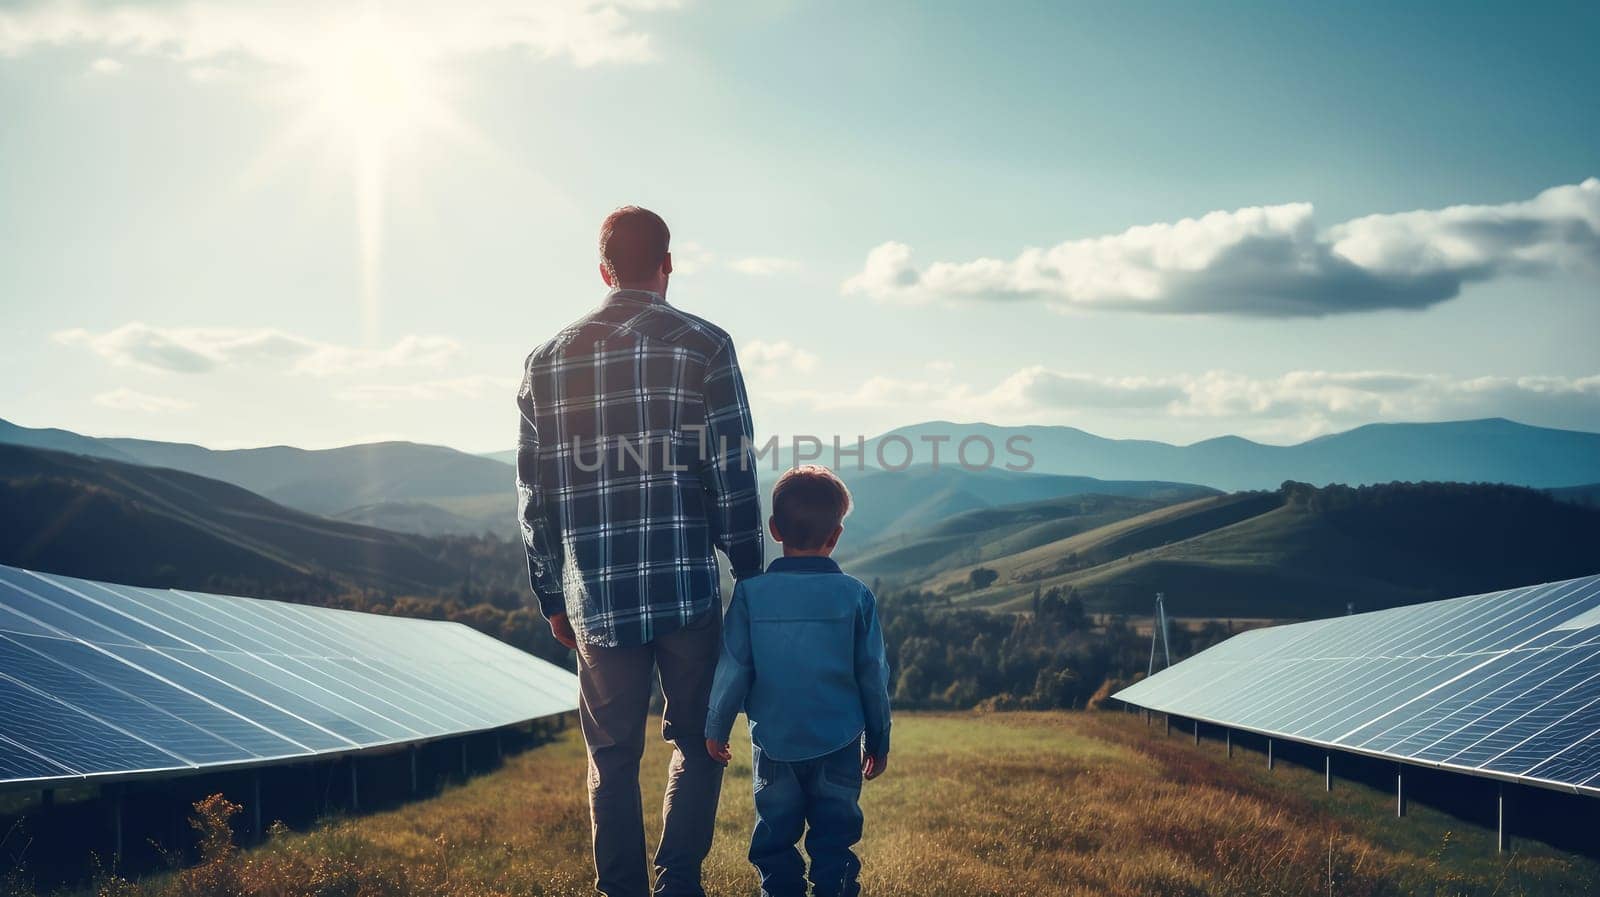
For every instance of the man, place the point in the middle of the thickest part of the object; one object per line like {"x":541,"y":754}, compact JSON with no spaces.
{"x":634,"y":461}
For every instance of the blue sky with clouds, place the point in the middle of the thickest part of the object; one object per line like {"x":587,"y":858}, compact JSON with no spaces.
{"x":319,"y":225}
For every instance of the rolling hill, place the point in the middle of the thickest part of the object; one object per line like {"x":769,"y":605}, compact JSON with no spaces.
{"x":1579,"y":495}
{"x":436,"y":490}
{"x":890,"y":503}
{"x":1304,"y":552}
{"x":972,"y":537}
{"x":433,"y":490}
{"x":59,"y":440}
{"x":377,"y":483}
{"x":104,"y":519}
{"x":416,"y":517}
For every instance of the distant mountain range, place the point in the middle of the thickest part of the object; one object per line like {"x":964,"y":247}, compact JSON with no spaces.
{"x":1475,"y":451}
{"x":433,"y":490}
{"x":1293,"y":552}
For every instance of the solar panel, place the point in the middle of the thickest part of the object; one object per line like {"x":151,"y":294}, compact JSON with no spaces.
{"x":1505,"y":684}
{"x":102,"y":680}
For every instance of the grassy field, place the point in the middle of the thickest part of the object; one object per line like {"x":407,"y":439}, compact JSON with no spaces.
{"x":1003,"y":804}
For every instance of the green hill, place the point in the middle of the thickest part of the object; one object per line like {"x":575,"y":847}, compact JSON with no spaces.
{"x":417,"y":517}
{"x":103,"y":519}
{"x":894,"y":503}
{"x":356,"y":479}
{"x":1578,"y":495}
{"x":972,"y":537}
{"x":1305,"y":552}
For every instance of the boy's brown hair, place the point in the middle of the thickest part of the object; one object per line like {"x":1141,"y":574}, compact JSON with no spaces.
{"x":808,"y":504}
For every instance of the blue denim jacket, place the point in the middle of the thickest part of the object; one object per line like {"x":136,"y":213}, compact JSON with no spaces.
{"x":803,"y":656}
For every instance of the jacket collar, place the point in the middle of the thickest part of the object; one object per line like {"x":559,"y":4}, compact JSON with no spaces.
{"x":803,"y":565}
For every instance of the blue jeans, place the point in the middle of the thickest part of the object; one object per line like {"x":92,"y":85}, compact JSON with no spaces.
{"x":824,"y":794}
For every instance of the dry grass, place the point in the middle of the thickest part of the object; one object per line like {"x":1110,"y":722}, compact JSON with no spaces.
{"x":1071,"y":804}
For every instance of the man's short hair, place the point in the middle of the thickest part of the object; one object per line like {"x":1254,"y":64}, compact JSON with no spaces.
{"x":633,"y":244}
{"x":808,"y":504}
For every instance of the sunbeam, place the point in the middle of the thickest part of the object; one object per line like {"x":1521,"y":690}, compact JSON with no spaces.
{"x":372,"y":93}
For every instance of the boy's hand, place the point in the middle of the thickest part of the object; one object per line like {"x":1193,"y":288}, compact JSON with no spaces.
{"x":872,"y":767}
{"x":719,"y":751}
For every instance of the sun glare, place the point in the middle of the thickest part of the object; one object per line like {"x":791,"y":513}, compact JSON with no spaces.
{"x":371,"y":92}
{"x":372,"y":85}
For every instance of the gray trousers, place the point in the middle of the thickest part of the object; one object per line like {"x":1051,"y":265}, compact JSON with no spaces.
{"x":613,"y":708}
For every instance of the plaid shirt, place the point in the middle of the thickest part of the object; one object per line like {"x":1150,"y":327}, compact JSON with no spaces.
{"x":634,"y":461}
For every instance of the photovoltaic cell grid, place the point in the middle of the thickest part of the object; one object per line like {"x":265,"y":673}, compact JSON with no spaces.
{"x":1505,"y":684}
{"x":108,"y":680}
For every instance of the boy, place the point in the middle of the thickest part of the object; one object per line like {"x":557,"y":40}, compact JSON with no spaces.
{"x":803,"y":656}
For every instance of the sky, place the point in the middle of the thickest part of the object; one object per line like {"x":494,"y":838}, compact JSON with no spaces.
{"x":318,"y":224}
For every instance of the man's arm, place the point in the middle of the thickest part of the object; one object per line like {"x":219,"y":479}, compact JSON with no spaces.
{"x":872,"y":680}
{"x":544,"y":551}
{"x":728,"y":469}
{"x":731,"y":684}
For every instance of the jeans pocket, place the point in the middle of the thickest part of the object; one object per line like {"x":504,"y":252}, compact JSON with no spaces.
{"x":760,"y":769}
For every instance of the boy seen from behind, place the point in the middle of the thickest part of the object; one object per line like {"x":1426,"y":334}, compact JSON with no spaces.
{"x":803,"y":657}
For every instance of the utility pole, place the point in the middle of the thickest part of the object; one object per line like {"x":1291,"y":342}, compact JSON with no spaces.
{"x":1158,"y":628}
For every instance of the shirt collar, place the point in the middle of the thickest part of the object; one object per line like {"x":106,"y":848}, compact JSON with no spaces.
{"x":803,"y":565}
{"x":647,"y":296}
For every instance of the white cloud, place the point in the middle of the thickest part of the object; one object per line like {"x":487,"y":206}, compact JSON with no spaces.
{"x":764,"y":266}
{"x":767,"y":360}
{"x":205,"y":74}
{"x":125,"y":399}
{"x":1043,"y":388}
{"x":195,"y":350}
{"x":1333,"y":397}
{"x":689,"y":257}
{"x":105,"y":65}
{"x":1296,"y":403}
{"x":586,"y":32}
{"x":1271,"y":261}
{"x":471,"y":387}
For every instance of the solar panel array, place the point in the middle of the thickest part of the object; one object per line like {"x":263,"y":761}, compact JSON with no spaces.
{"x":109,"y":680}
{"x":1505,"y":684}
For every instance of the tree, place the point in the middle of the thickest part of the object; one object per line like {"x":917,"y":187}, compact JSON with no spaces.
{"x":982,"y":577}
{"x":1073,"y":617}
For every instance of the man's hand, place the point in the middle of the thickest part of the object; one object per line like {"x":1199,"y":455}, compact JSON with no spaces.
{"x":561,"y":628}
{"x":872,"y":767}
{"x":719,"y":751}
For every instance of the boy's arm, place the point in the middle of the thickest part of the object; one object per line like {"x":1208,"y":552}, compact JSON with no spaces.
{"x":735,"y":672}
{"x":872,"y":676}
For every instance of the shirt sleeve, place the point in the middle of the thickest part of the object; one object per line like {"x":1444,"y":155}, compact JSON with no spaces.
{"x":728,"y":466}
{"x":735,"y":671}
{"x":872,"y":675}
{"x":544,"y":551}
